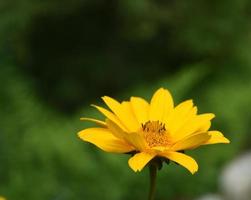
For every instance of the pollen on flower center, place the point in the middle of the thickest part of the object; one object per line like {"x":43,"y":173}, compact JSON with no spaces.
{"x":155,"y":133}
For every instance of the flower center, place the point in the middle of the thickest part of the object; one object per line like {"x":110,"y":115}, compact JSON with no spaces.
{"x":155,"y":133}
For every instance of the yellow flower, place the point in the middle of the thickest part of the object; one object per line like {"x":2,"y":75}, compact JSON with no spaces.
{"x":149,"y":130}
{"x":2,"y":198}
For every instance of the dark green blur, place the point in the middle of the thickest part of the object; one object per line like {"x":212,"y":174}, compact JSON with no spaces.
{"x":58,"y":57}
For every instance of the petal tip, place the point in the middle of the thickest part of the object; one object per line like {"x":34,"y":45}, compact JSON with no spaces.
{"x":162,"y":89}
{"x":104,"y":97}
{"x":80,"y":135}
{"x":226,"y":141}
{"x":132,"y":166}
{"x":193,"y":171}
{"x":188,"y":101}
{"x":212,"y":116}
{"x":136,"y":170}
{"x":93,"y":105}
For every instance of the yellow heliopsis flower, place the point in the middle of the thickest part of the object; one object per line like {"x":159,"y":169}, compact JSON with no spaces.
{"x":149,"y":130}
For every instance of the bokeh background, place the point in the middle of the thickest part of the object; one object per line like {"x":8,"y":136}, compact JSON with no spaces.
{"x":58,"y":57}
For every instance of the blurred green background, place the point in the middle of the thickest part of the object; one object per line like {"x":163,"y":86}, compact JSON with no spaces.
{"x":58,"y":57}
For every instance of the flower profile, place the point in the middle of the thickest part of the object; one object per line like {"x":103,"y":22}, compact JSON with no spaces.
{"x":155,"y":130}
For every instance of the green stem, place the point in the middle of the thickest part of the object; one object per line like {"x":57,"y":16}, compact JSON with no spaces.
{"x":153,"y":174}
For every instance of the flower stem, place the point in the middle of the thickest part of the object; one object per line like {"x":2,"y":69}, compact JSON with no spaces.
{"x":153,"y":175}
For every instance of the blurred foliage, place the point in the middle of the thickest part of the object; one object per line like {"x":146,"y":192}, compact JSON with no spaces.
{"x":58,"y":56}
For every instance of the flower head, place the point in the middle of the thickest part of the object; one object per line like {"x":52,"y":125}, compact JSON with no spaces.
{"x":149,"y":130}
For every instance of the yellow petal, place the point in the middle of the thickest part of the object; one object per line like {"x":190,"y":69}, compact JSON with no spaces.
{"x":191,"y":142}
{"x":129,"y":117}
{"x":140,"y":109}
{"x":205,"y":121}
{"x":205,"y":127}
{"x":193,"y":125}
{"x":135,"y":139}
{"x":183,"y":159}
{"x":105,"y":140}
{"x":123,"y":112}
{"x":161,"y":105}
{"x":139,"y":161}
{"x":114,"y":105}
{"x":216,"y":137}
{"x":110,"y":116}
{"x":159,"y":149}
{"x":179,"y":115}
{"x":98,"y":122}
{"x":116,"y":130}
